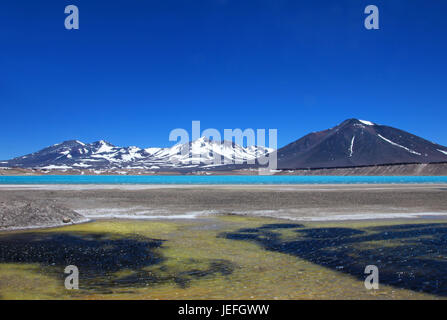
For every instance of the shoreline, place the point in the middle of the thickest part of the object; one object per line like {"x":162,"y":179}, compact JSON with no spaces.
{"x":301,"y":187}
{"x":40,"y":227}
{"x":391,"y":169}
{"x":392,"y":218}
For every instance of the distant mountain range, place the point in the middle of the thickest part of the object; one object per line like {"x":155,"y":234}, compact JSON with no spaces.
{"x":350,"y":144}
{"x":102,"y":155}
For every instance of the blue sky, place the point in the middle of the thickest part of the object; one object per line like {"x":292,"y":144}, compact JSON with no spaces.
{"x":137,"y":69}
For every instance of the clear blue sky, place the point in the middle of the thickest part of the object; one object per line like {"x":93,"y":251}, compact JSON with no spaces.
{"x":138,"y":69}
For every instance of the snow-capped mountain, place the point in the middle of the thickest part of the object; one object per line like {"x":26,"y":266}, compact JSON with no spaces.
{"x":358,"y":143}
{"x":102,"y":155}
{"x":352,"y":143}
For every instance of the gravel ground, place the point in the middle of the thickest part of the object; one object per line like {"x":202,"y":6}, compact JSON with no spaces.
{"x":28,"y":206}
{"x":20,"y":214}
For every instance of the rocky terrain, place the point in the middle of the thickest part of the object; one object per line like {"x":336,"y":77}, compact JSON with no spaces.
{"x":412,"y":169}
{"x":294,"y":202}
{"x":23,"y":214}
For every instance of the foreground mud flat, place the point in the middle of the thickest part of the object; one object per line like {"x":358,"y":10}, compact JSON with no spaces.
{"x":227,"y":257}
{"x":293,"y":202}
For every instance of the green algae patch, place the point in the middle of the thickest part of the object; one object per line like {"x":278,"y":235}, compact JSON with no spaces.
{"x":27,"y":281}
{"x":221,"y":257}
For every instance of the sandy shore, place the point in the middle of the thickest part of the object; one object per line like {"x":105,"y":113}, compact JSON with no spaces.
{"x":294,"y":202}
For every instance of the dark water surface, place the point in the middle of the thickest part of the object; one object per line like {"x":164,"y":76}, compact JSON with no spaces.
{"x":237,"y":258}
{"x":410,"y":256}
{"x":101,"y":258}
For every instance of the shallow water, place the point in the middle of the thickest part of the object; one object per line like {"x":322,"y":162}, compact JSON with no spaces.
{"x":226,"y":257}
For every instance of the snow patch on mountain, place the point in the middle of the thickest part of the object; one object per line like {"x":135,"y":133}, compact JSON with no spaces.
{"x":104,"y":147}
{"x":366,"y":122}
{"x":81,"y":165}
{"x":351,"y":150}
{"x":398,"y":145}
{"x":55,"y":167}
{"x":152,"y":150}
{"x":81,"y":143}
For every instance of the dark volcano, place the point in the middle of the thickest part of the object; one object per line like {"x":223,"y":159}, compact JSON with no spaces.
{"x":358,"y":143}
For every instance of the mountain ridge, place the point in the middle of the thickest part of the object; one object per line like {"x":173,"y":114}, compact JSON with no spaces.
{"x":74,"y":154}
{"x":351,"y":143}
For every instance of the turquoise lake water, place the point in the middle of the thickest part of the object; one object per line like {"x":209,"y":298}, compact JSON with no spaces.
{"x":219,"y":179}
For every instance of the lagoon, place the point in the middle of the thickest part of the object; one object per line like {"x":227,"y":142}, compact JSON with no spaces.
{"x":221,"y":180}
